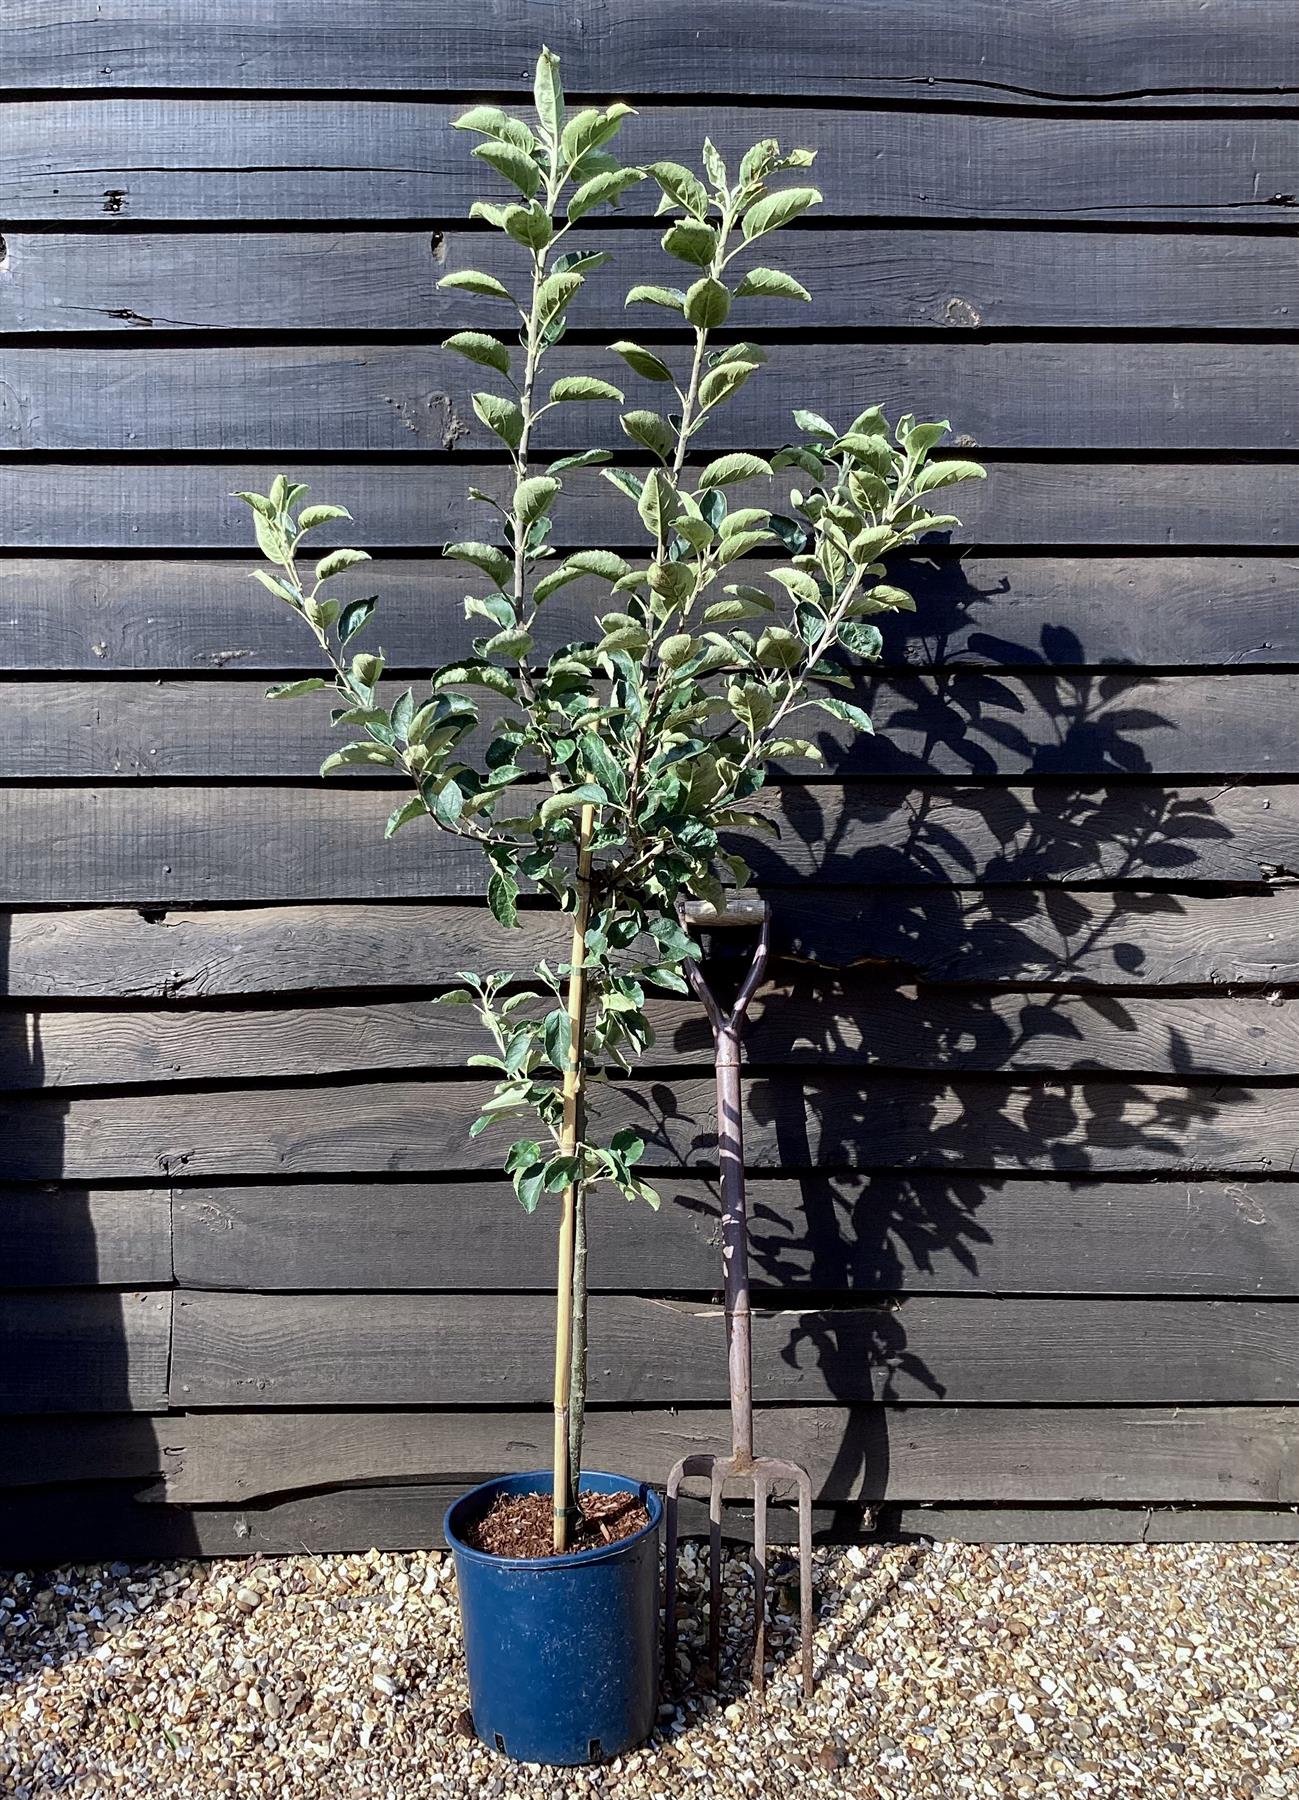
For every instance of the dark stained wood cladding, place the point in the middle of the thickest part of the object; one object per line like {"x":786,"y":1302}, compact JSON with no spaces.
{"x":1022,"y":1086}
{"x":1218,"y":54}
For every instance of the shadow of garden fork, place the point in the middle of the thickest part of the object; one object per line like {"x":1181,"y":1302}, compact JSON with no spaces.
{"x":763,"y":1471}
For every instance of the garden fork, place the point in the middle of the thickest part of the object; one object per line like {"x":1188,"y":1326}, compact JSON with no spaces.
{"x":744,"y":909}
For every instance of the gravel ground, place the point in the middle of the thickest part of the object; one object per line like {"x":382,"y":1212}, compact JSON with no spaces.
{"x":951,"y":1671}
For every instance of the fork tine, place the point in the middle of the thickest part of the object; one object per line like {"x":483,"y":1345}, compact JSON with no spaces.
{"x":805,"y":1576}
{"x":759,"y":1583}
{"x":670,"y":1578}
{"x":718,"y":1478}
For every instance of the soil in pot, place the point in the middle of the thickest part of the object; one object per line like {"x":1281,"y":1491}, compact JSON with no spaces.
{"x":523,"y":1524}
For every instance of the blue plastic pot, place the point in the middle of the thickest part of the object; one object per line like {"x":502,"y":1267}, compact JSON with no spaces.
{"x":562,"y":1650}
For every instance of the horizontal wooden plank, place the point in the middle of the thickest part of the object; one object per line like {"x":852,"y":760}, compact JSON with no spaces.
{"x":967,"y":723}
{"x":1121,"y":939}
{"x":90,"y":1522}
{"x":154,"y":159}
{"x":353,"y":281}
{"x":854,"y":1022}
{"x":404,"y":505}
{"x":83,"y":1351}
{"x":93,"y":1521}
{"x":861,"y":1455}
{"x":85,"y":1237}
{"x":883,"y":1234}
{"x":40,"y":1449}
{"x":1211,"y":54}
{"x":148,"y":845}
{"x":847,"y":1120}
{"x":65,"y":613}
{"x":353,"y":1350}
{"x":399,"y":398}
{"x":1089,"y":1525}
{"x":893,"y":1455}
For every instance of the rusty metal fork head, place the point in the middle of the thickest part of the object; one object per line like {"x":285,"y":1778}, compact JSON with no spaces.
{"x":764,"y":1472}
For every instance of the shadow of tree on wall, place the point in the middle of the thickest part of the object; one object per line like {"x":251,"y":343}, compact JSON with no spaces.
{"x":957,"y":1102}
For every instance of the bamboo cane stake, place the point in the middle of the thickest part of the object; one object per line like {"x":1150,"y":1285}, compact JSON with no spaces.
{"x":563,"y":1497}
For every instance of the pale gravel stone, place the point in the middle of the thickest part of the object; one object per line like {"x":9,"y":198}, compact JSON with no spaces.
{"x":943,"y":1673}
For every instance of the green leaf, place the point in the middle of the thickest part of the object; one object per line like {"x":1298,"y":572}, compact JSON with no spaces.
{"x":648,"y":429}
{"x":714,"y":167}
{"x":569,"y":799}
{"x":779,"y":649}
{"x":486,"y":557}
{"x":290,"y":690}
{"x":557,"y":1036}
{"x":799,"y":584}
{"x":529,"y":1185}
{"x":353,"y":616}
{"x":677,"y":649}
{"x":311,"y":516}
{"x":600,"y":763}
{"x":548,"y":94}
{"x":352,"y":754}
{"x":642,"y":361}
{"x":501,"y":417}
{"x":625,"y":482}
{"x":844,"y":709}
{"x":691,"y":241}
{"x":515,"y":165}
{"x":337,"y":561}
{"x":555,"y":293}
{"x":681,"y":187}
{"x":944,"y":473}
{"x":280,"y":589}
{"x":813,"y":425}
{"x":777,"y":209}
{"x":771,"y":284}
{"x":414,"y":808}
{"x":723,"y":381}
{"x":514,"y":643}
{"x":475,"y":674}
{"x":503,"y":898}
{"x":528,"y":225}
{"x":551,"y":583}
{"x":628,"y":1144}
{"x":480,"y":118}
{"x":708,"y":303}
{"x":533,"y":496}
{"x":604,"y":563}
{"x":473,"y":281}
{"x":671,"y":298}
{"x":478,"y":347}
{"x":585,"y":131}
{"x":600,"y":189}
{"x":448,"y":802}
{"x":658,"y":504}
{"x":584,"y":387}
{"x":739,"y":466}
{"x":584,"y":459}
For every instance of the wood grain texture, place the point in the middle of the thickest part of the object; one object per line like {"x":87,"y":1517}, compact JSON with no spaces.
{"x":995,"y":936}
{"x":982,"y":723}
{"x":883,"y":1233}
{"x":41,"y":1449}
{"x":398,"y":398}
{"x":413,"y":505}
{"x":1214,"y":612}
{"x":872,"y":1455}
{"x":361,"y":281}
{"x":351,"y":1350}
{"x":165,"y":845}
{"x":85,"y":1237}
{"x":82,"y":1351}
{"x":852,"y":1023}
{"x":138,"y":160}
{"x":827,"y":1120}
{"x":97,"y":1521}
{"x":1217,"y":54}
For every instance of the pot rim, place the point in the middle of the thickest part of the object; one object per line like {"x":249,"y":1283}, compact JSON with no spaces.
{"x":571,"y":1558}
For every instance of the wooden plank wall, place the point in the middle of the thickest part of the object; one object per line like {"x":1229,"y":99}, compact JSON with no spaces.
{"x":1022,"y":1100}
